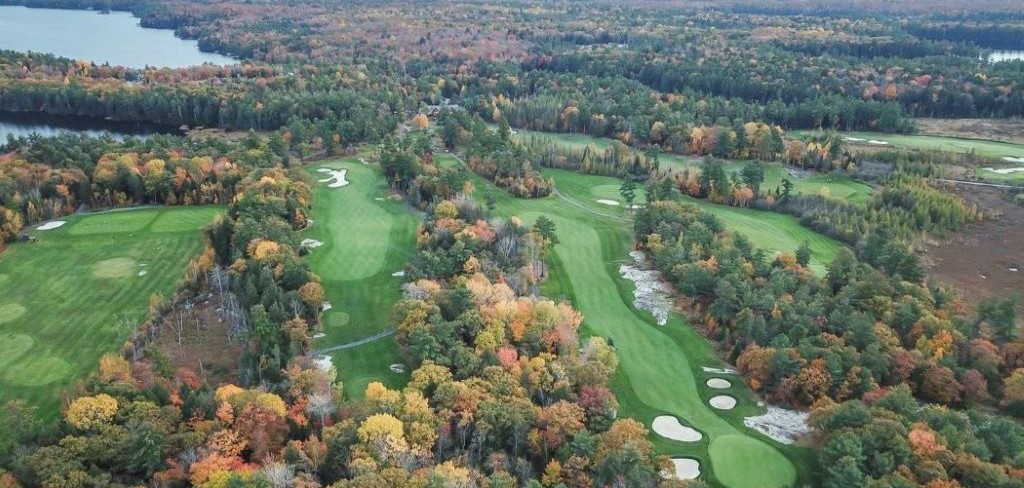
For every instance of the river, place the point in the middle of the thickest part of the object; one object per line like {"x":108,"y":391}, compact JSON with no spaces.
{"x":115,"y":38}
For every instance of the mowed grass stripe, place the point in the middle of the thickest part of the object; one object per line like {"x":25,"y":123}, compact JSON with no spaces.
{"x":73,"y":314}
{"x":367,"y":237}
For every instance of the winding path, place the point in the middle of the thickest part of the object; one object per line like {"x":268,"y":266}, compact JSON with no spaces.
{"x":349,"y":345}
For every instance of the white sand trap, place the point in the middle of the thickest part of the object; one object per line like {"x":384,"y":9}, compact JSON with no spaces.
{"x":669,"y":427}
{"x":651,"y":293}
{"x":718,"y":383}
{"x":723,"y":402}
{"x":327,"y":306}
{"x":318,"y":335}
{"x":1004,"y":171}
{"x":719,"y":370}
{"x":634,"y":206}
{"x":361,"y":160}
{"x":785,"y":426}
{"x":879,"y":143}
{"x":379,"y":199}
{"x":397,"y":368}
{"x":606,"y":201}
{"x":686,"y":468}
{"x":398,"y":273}
{"x":309,"y":223}
{"x":53,"y":224}
{"x":323,"y":363}
{"x":853,"y":139}
{"x":143,"y":273}
{"x":336,"y":178}
{"x":311,"y":243}
{"x":1013,"y":159}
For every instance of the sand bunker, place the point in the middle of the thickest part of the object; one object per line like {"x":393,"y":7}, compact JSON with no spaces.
{"x":785,"y":426}
{"x":51,"y":225}
{"x":319,"y":335}
{"x":686,"y":468}
{"x":326,"y":306}
{"x":1004,"y":171}
{"x":651,"y":293}
{"x":336,"y":178}
{"x":311,"y":243}
{"x":605,"y":201}
{"x":1013,"y":159}
{"x":853,"y":139}
{"x":723,"y":402}
{"x":398,"y":273}
{"x":361,"y":160}
{"x":323,"y":363}
{"x":718,"y":383}
{"x":720,"y":370}
{"x":880,"y":143}
{"x":143,"y":273}
{"x":669,"y":427}
{"x":397,"y":368}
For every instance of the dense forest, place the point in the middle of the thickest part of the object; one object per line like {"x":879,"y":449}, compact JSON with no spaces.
{"x":907,"y":385}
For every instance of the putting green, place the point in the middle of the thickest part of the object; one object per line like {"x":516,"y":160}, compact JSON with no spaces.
{"x":82,"y":294}
{"x":115,"y":268}
{"x":740,"y":460}
{"x":11,"y":311}
{"x":37,"y":371}
{"x":366,"y":238}
{"x":13,"y":346}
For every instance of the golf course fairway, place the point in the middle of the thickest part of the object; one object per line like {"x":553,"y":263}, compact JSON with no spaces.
{"x":659,"y":365}
{"x":364,"y":239}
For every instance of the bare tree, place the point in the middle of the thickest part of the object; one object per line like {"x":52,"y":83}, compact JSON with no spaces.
{"x":279,"y":474}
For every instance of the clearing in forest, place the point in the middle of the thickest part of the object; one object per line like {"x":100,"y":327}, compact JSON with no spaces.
{"x":77,"y":292}
{"x":660,"y":366}
{"x":363,"y":238}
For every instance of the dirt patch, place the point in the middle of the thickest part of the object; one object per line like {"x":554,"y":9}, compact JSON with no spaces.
{"x":202,"y":341}
{"x":983,"y":259}
{"x":1005,"y":130}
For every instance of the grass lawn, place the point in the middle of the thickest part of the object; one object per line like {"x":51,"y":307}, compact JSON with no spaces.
{"x":660,"y":367}
{"x":992,"y":149}
{"x":367,"y":237}
{"x":77,"y":293}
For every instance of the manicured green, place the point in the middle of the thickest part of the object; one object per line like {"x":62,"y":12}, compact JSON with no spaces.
{"x":981,"y":147}
{"x":77,"y":292}
{"x":367,"y":237}
{"x":660,"y":366}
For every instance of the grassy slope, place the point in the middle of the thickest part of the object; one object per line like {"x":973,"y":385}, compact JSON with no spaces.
{"x":67,"y":294}
{"x":660,"y":366}
{"x":365,"y":241}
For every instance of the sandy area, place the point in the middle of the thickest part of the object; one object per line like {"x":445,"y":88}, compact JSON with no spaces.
{"x":318,"y":335}
{"x":311,"y":243}
{"x":336,"y":177}
{"x":669,"y":427}
{"x":719,"y":370}
{"x":143,"y":273}
{"x":326,"y":306}
{"x":723,"y":402}
{"x":398,"y":273}
{"x":785,"y":426}
{"x":51,"y":225}
{"x":853,"y":139}
{"x":397,"y":368}
{"x":1013,"y":159}
{"x":605,"y":201}
{"x":686,"y":468}
{"x":1004,"y":171}
{"x":651,"y":293}
{"x":718,"y":383}
{"x":323,"y":363}
{"x":878,"y":143}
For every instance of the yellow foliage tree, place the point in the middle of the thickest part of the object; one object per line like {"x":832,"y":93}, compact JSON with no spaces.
{"x":380,"y":426}
{"x":115,"y":369}
{"x":90,"y":412}
{"x":420,"y":121}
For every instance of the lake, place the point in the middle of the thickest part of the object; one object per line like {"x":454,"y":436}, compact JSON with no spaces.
{"x":998,"y":56}
{"x":25,"y":124}
{"x":115,"y":38}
